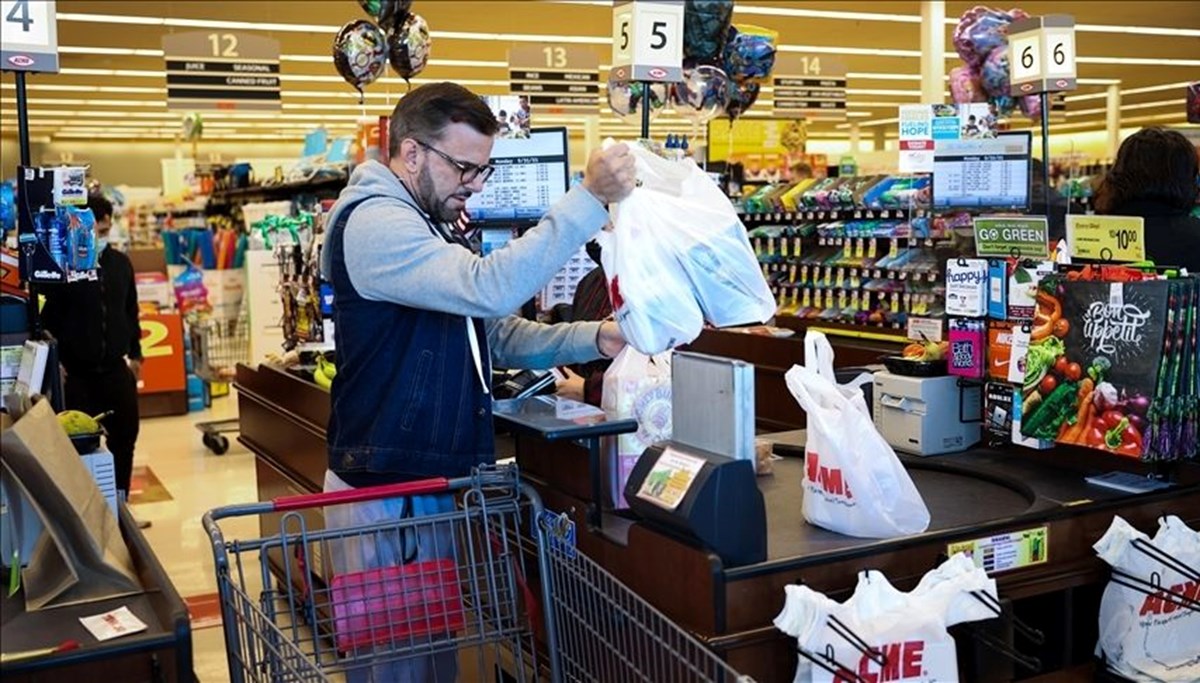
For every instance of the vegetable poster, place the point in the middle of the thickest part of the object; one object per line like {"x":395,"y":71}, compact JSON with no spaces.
{"x":1093,"y":363}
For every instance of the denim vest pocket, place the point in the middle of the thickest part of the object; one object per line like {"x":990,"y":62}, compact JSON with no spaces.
{"x":417,"y":393}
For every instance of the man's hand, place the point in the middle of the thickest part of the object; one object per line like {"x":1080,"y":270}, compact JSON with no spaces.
{"x":610,"y":174}
{"x":610,"y":341}
{"x":572,"y":387}
{"x":135,"y":366}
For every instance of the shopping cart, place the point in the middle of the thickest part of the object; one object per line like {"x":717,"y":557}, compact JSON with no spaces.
{"x":218,"y":345}
{"x":310,"y":604}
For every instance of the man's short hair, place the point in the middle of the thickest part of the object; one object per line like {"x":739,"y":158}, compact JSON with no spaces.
{"x":101,"y":208}
{"x":424,"y":113}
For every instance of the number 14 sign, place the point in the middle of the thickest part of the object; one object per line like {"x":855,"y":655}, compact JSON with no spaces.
{"x":1041,"y":55}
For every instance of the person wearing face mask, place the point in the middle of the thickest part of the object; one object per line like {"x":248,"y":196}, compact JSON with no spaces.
{"x":419,"y":319}
{"x":99,"y":343}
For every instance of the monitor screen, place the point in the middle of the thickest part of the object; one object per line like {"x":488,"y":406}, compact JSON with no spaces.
{"x":531,"y":174}
{"x":982,"y":174}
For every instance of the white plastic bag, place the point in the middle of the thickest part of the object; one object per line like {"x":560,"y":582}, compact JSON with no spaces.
{"x":636,"y":386}
{"x":1150,"y":637}
{"x":854,"y":484}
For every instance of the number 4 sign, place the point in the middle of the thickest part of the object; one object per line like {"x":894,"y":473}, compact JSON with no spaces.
{"x":28,"y":36}
{"x":648,"y":41}
{"x":1041,"y":55}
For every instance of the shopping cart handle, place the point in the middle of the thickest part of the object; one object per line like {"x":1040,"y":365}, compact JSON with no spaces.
{"x":410,"y":488}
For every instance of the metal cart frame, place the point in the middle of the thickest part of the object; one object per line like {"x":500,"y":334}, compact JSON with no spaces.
{"x":472,"y":595}
{"x":218,"y":345}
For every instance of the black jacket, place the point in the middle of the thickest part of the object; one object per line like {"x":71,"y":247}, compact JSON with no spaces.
{"x":1172,"y":236}
{"x":95,"y":323}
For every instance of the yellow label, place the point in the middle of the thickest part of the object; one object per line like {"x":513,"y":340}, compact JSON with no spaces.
{"x":1119,"y":239}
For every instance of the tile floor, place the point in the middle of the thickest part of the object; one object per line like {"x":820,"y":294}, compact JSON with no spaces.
{"x":197,"y":481}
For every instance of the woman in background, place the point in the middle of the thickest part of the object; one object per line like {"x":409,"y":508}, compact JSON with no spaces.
{"x":1155,"y":177}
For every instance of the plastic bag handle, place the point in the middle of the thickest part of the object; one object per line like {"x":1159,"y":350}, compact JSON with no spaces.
{"x":368,"y":493}
{"x":818,"y":354}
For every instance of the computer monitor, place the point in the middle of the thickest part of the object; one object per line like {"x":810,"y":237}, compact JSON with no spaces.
{"x":531,"y":174}
{"x":982,"y":174}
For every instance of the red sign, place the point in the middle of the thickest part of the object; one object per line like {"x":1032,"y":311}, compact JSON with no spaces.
{"x":162,"y":353}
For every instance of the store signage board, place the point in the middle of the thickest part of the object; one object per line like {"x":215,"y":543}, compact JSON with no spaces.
{"x":916,"y":138}
{"x":647,"y":41}
{"x":1120,"y":239}
{"x":162,"y":353}
{"x":28,"y":36}
{"x":1012,"y":236}
{"x":1004,"y":552}
{"x":556,"y":78}
{"x":1041,"y":55}
{"x":808,"y":85}
{"x":220,"y":70}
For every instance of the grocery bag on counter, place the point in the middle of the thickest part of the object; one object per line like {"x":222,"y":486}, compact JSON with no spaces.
{"x":1148,"y":634}
{"x":636,"y":386}
{"x":853,"y":484}
{"x":902,"y":628}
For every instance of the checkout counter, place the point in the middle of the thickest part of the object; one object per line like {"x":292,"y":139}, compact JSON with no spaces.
{"x":997,"y":501}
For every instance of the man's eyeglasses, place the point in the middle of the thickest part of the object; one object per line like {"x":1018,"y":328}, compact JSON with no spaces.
{"x":468,"y":172}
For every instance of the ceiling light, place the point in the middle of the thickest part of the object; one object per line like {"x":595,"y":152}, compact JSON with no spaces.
{"x":883,"y":76}
{"x":122,"y":51}
{"x":840,"y":50}
{"x":1138,"y":61}
{"x":1132,"y":91}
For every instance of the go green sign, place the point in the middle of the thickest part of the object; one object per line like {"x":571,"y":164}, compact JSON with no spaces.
{"x":1001,"y":237}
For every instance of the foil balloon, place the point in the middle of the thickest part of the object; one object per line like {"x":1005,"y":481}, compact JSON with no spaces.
{"x":626,"y":100}
{"x":749,"y":53}
{"x":1031,"y":106}
{"x":702,"y":94}
{"x":993,"y":73}
{"x":741,"y":97}
{"x":965,"y":86}
{"x":409,"y":45}
{"x":704,"y":25}
{"x":1003,"y":105}
{"x":981,"y":30}
{"x":387,"y":13}
{"x":360,"y":53}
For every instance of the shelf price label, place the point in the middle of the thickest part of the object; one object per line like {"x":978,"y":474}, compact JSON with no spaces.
{"x":28,"y":36}
{"x":648,"y":41}
{"x":1041,"y":55}
{"x":1119,"y":239}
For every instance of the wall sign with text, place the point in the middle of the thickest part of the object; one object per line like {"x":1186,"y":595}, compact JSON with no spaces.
{"x":556,"y":78}
{"x":221,"y":70}
{"x":809,"y":85}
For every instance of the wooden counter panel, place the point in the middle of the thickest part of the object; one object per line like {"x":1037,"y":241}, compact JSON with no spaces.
{"x":560,"y":464}
{"x":304,"y":401}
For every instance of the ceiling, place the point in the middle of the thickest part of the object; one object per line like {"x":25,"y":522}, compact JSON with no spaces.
{"x":112,"y":84}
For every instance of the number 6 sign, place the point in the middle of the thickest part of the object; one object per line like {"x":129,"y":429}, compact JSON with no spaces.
{"x":1041,"y":55}
{"x":648,"y":41}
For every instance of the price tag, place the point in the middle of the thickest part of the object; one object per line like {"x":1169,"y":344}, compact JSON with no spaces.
{"x":648,"y":41}
{"x":28,"y":36}
{"x":1107,"y":238}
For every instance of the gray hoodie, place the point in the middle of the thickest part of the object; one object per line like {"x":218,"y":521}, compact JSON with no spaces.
{"x":392,"y":256}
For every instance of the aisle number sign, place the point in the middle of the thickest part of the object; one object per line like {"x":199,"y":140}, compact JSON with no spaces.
{"x":556,"y":78}
{"x":162,"y":353}
{"x":647,"y":41}
{"x":1107,"y":238}
{"x":808,"y":85}
{"x":221,"y":70}
{"x":28,"y":36}
{"x":1041,"y":55}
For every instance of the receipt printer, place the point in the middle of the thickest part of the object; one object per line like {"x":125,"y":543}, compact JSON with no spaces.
{"x":927,"y":415}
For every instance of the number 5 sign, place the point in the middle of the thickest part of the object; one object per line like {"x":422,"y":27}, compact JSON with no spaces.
{"x":648,"y":41}
{"x":28,"y":36}
{"x":1041,"y":55}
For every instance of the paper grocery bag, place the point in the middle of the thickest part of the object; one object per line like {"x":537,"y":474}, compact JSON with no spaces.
{"x":81,"y":556}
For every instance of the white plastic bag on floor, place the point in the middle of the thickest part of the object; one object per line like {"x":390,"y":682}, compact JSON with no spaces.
{"x":853,"y":484}
{"x":636,"y":386}
{"x":1151,"y":637}
{"x":678,"y":235}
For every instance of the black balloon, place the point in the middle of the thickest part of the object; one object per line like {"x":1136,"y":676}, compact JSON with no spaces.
{"x":704,"y":25}
{"x":409,"y":45}
{"x":388,"y":13}
{"x":360,"y":53}
{"x":741,"y":97}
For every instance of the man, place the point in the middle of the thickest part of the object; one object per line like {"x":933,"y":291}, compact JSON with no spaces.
{"x":419,"y":317}
{"x":99,"y":343}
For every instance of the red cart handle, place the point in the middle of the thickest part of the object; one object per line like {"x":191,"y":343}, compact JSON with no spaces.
{"x":411,"y":488}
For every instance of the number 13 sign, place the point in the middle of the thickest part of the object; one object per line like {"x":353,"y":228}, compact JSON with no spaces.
{"x":1041,"y":55}
{"x":648,"y":41}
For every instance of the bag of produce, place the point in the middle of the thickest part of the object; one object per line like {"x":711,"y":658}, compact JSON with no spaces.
{"x":636,"y":386}
{"x":1149,"y":634}
{"x":853,"y":484}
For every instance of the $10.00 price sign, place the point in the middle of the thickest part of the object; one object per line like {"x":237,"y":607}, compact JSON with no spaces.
{"x":1120,"y":239}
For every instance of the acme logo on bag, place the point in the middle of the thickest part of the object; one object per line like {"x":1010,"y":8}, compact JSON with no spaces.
{"x":1160,"y":603}
{"x":829,"y":479}
{"x":902,"y":661}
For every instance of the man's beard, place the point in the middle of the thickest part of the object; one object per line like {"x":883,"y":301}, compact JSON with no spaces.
{"x":435,"y":205}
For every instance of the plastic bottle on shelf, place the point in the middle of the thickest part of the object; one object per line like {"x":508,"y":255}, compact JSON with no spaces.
{"x":683,"y":148}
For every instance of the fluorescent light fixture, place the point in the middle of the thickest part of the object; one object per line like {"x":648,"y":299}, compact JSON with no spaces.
{"x":1138,"y":61}
{"x":1126,"y":107}
{"x":1139,"y":30}
{"x":874,"y":76}
{"x":121,"y":51}
{"x":826,"y":14}
{"x":1131,"y":91}
{"x":843,"y":50}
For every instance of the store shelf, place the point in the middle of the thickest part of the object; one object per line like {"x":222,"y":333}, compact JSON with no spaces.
{"x":242,"y":195}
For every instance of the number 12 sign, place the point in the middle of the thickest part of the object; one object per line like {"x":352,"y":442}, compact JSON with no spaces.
{"x":1041,"y":55}
{"x":648,"y":41}
{"x":28,"y":36}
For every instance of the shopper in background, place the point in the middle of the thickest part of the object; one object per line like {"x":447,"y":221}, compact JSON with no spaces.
{"x":1154,"y":176}
{"x":801,"y":171}
{"x":420,"y":317}
{"x":586,"y":381}
{"x":1053,"y":207}
{"x":99,"y":344}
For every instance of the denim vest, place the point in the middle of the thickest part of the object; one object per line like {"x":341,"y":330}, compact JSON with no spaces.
{"x":407,"y":400}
